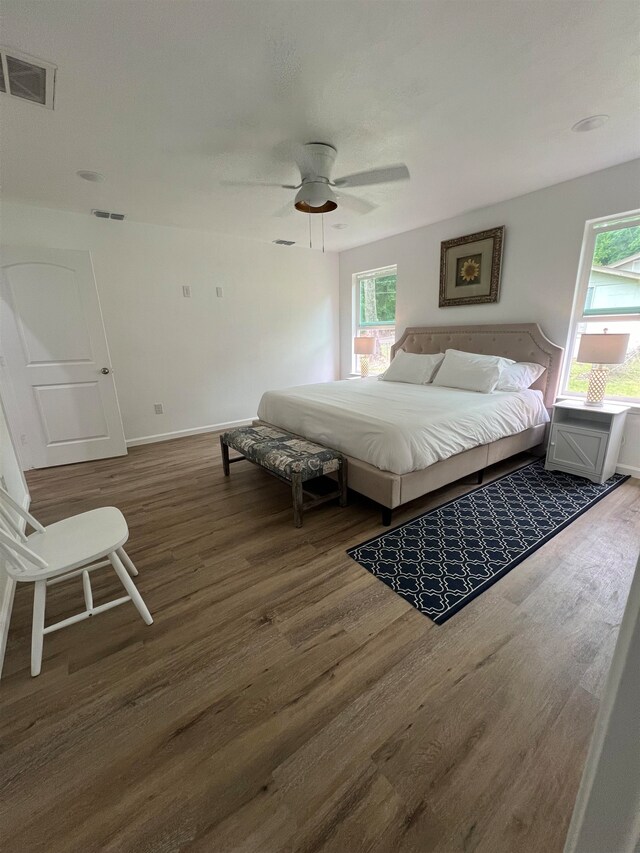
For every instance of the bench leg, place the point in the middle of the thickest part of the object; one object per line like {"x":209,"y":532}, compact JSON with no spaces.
{"x":342,"y":482}
{"x":296,"y":492}
{"x":225,"y":457}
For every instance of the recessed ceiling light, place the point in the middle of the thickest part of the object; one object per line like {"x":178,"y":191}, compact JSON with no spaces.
{"x":94,"y":177}
{"x":589,"y":123}
{"x":340,"y":225}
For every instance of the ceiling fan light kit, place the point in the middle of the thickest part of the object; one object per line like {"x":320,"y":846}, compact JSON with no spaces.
{"x":315,"y":197}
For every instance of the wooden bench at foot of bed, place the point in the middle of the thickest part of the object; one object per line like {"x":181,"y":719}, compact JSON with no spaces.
{"x":291,"y":459}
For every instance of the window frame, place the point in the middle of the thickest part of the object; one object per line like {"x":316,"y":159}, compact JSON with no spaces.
{"x":356,"y":278}
{"x":592,"y":228}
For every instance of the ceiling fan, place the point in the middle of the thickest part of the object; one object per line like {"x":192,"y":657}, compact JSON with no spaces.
{"x":316,"y":188}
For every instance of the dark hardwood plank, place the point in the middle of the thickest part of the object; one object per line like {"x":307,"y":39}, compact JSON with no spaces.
{"x":286,"y":700}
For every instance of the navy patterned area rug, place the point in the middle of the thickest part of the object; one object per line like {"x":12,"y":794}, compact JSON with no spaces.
{"x":443,"y":559}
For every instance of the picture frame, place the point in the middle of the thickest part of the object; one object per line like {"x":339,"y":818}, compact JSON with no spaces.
{"x":470,"y":268}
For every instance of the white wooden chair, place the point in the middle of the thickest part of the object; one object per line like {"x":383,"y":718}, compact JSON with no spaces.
{"x":63,"y":550}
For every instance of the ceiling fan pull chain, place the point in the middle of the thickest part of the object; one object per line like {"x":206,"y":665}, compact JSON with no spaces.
{"x":309,"y":230}
{"x":322,"y":216}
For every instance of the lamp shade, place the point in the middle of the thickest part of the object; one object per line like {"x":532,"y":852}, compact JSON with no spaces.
{"x":364,"y":346}
{"x":315,"y":197}
{"x":603,"y":349}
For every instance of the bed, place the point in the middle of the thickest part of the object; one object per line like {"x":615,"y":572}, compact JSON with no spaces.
{"x":403,"y":441}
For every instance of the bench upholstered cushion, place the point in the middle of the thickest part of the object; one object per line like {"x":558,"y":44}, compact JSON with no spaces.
{"x":283,"y":452}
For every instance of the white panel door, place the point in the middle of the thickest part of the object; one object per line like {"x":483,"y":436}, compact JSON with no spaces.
{"x":55,"y":351}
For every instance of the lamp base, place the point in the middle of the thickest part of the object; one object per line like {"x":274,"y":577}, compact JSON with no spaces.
{"x":364,"y":366}
{"x":597,"y":385}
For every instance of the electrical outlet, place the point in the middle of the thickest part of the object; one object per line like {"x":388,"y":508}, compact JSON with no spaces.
{"x":219,"y":292}
{"x":158,"y":408}
{"x":186,"y":291}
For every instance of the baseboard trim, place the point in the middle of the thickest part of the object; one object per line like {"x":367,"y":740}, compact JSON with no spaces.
{"x":181,"y":433}
{"x":6,"y":604}
{"x":630,"y":470}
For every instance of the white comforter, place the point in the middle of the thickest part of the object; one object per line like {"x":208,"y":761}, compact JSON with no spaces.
{"x":400,"y":427}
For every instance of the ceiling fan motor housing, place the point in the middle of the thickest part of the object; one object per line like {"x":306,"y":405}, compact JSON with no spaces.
{"x":318,"y":161}
{"x":315,"y":195}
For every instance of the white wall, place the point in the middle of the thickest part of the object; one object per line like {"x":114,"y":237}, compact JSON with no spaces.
{"x":543,"y":238}
{"x":206,"y":359}
{"x":14,"y":482}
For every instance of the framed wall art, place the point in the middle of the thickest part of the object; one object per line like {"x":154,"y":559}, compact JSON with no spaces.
{"x":470,"y":268}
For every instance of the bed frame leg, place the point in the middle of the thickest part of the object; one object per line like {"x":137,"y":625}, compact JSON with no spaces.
{"x":342,"y":483}
{"x":480,"y":476}
{"x":386,"y":516}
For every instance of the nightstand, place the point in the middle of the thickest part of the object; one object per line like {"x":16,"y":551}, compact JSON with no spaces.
{"x":585,"y":440}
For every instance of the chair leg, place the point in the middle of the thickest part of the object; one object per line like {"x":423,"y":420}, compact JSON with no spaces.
{"x":88,"y":594}
{"x":129,"y":585}
{"x":37,"y":627}
{"x":126,"y":559}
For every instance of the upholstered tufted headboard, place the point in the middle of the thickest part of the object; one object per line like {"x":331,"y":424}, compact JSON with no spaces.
{"x":520,"y":341}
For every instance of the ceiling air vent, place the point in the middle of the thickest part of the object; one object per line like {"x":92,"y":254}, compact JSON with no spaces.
{"x":284,"y":242}
{"x":106,"y":214}
{"x":26,"y":77}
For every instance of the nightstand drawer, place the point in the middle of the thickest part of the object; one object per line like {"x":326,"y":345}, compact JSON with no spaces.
{"x":577,"y":449}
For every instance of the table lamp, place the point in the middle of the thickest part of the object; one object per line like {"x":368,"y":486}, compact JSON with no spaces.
{"x":364,"y":347}
{"x":600,"y":351}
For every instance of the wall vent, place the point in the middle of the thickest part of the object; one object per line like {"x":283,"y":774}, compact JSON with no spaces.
{"x":106,"y":214}
{"x":25,"y":77}
{"x":284,"y":242}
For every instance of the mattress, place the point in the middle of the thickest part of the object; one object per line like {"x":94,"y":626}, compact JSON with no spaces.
{"x":400,"y":427}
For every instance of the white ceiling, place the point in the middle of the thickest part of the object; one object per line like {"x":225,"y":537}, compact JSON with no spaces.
{"x":169,"y":99}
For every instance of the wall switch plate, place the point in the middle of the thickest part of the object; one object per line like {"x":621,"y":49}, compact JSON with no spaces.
{"x":219,"y":292}
{"x":186,"y":291}
{"x":158,"y":408}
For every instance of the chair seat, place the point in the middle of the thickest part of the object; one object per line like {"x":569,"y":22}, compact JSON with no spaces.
{"x":77,"y":541}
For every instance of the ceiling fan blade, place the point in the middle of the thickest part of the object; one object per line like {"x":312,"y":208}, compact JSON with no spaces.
{"x":358,"y":205}
{"x":259,"y":184}
{"x":374,"y":176}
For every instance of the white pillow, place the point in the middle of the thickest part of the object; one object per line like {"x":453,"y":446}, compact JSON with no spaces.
{"x":470,"y":371}
{"x":520,"y":376}
{"x":412,"y":367}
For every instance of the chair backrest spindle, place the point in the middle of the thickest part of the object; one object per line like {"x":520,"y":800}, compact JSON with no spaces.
{"x":8,"y":501}
{"x":8,"y":521}
{"x":18,"y":555}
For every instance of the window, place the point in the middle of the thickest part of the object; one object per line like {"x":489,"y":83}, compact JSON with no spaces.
{"x":375,"y":314}
{"x":608,"y":297}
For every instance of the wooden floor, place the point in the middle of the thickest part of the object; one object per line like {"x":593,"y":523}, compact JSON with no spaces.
{"x":285,"y":699}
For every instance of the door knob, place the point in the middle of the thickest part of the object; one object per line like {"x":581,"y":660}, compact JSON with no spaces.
{"x":105,"y":370}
